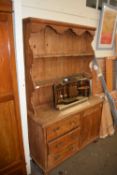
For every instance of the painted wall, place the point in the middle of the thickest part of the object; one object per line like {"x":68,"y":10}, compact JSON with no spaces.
{"x":73,"y":11}
{"x":20,"y":76}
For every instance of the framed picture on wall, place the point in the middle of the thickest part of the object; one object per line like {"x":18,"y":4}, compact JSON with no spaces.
{"x":107,"y":27}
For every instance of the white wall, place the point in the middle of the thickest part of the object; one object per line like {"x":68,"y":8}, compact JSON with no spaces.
{"x":20,"y":76}
{"x":73,"y":11}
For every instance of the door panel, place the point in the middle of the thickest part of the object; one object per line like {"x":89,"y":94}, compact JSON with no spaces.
{"x":12,"y":160}
{"x":90,"y":125}
{"x":9,"y":143}
{"x":5,"y":73}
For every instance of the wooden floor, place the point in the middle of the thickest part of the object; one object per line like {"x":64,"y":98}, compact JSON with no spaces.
{"x":98,"y":158}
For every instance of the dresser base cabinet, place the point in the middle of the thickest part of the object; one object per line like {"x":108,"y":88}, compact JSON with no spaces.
{"x":60,"y":134}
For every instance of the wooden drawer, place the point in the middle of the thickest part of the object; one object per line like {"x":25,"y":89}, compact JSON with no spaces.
{"x":63,"y":126}
{"x":63,"y":142}
{"x":54,"y":159}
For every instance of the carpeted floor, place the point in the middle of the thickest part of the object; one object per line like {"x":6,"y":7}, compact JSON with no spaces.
{"x":98,"y":158}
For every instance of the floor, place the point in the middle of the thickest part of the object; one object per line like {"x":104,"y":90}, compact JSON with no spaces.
{"x":99,"y":158}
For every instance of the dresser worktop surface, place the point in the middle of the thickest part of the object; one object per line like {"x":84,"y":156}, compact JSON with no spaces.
{"x":45,"y":116}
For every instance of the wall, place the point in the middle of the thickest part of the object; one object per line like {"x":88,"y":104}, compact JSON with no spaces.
{"x":63,"y":10}
{"x":20,"y":76}
{"x":73,"y":11}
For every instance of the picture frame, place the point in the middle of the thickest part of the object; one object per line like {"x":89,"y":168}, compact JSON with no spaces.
{"x":106,"y":28}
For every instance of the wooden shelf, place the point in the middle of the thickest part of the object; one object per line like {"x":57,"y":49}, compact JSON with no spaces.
{"x":50,"y":82}
{"x":64,"y":55}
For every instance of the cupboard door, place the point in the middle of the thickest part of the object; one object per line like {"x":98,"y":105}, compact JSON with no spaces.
{"x":11,"y":147}
{"x":9,"y":143}
{"x":90,"y":125}
{"x":5,"y":72}
{"x":15,"y":171}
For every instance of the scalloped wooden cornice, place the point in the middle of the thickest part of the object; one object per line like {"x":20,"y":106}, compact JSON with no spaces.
{"x":60,"y":27}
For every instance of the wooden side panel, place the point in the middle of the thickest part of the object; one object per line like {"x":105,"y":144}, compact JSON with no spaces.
{"x":28,"y":64}
{"x":9,"y":142}
{"x":38,"y":148}
{"x":109,"y":74}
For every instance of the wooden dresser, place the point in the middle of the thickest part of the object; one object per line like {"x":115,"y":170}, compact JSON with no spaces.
{"x":11,"y":148}
{"x":54,"y":50}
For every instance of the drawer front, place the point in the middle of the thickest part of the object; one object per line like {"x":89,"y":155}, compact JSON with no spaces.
{"x":54,"y":159}
{"x":63,"y":142}
{"x":63,"y":126}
